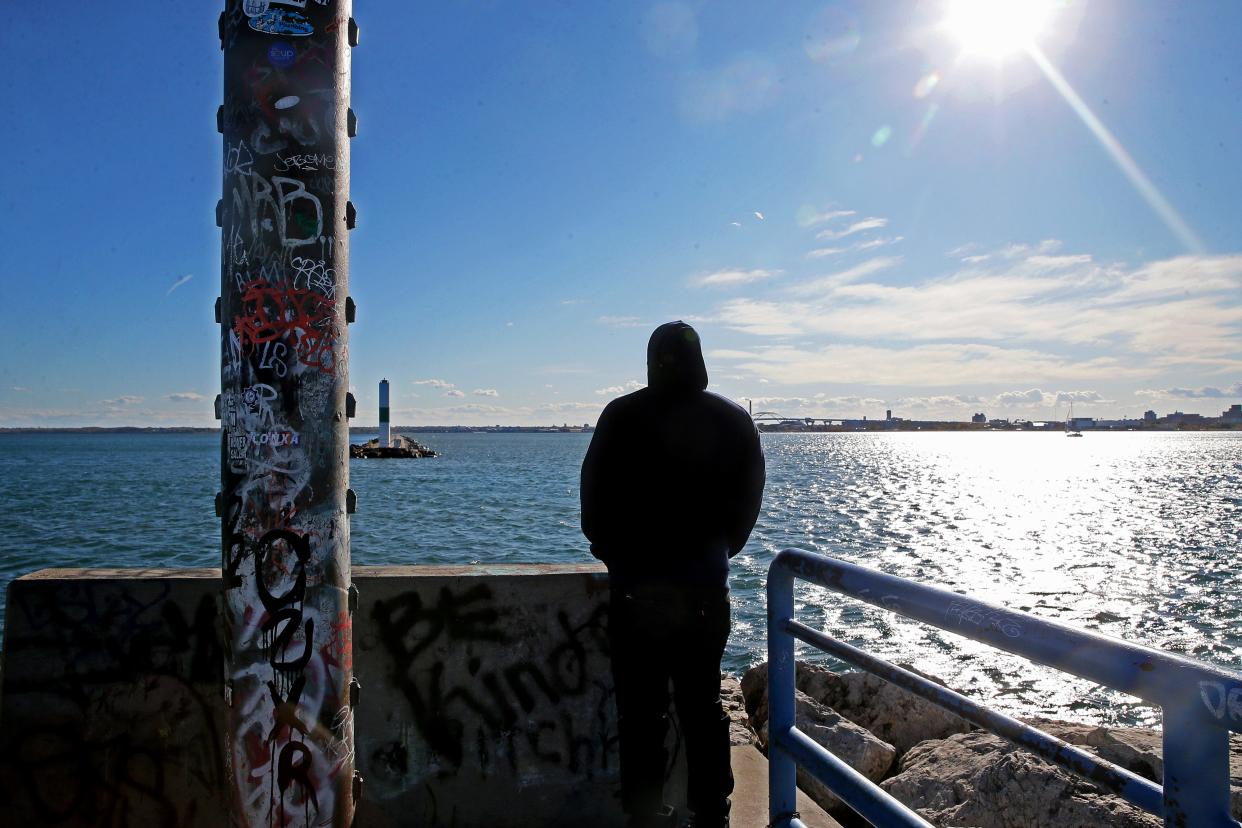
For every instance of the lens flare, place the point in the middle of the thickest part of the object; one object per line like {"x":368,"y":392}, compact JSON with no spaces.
{"x":926,"y":84}
{"x":1176,"y":224}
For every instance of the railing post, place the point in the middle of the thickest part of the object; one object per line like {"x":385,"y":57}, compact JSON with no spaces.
{"x":782,"y":770}
{"x":284,"y":457}
{"x":1196,"y":769}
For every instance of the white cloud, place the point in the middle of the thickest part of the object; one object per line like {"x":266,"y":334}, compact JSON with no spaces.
{"x":1207,"y":392}
{"x":187,"y":277}
{"x":759,"y":215}
{"x":833,"y":281}
{"x":874,"y":243}
{"x":808,"y":216}
{"x":186,"y":396}
{"x":1032,"y":396}
{"x":485,"y":392}
{"x":571,"y":407}
{"x":860,"y":247}
{"x":822,"y":252}
{"x":870,"y":223}
{"x":1169,"y":314}
{"x":1080,"y":396}
{"x":940,"y":364}
{"x":435,"y":383}
{"x":939,"y":402}
{"x":454,"y":393}
{"x":734,"y":277}
{"x":614,"y":390}
{"x":122,"y":401}
{"x":620,"y":321}
{"x":20,"y":389}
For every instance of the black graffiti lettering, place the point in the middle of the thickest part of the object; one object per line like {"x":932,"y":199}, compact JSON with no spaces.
{"x":285,"y":622}
{"x":300,"y":544}
{"x":490,"y":709}
{"x":286,"y":709}
{"x":287,"y":771}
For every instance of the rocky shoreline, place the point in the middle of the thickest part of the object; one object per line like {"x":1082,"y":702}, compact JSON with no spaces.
{"x":942,"y":766}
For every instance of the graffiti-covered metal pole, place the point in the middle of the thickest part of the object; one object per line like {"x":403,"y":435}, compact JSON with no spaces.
{"x":285,"y":217}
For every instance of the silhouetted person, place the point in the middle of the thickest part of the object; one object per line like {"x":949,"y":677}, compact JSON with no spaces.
{"x":671,"y":487}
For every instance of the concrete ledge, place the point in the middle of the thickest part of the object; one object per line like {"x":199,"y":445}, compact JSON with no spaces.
{"x":486,"y":697}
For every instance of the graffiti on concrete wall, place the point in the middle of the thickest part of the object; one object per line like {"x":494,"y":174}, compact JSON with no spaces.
{"x":483,"y":696}
{"x":110,"y":707}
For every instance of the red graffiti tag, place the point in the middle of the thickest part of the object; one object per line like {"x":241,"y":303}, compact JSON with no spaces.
{"x":300,"y":317}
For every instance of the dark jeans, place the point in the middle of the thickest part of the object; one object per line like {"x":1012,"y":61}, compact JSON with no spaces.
{"x":660,"y":633}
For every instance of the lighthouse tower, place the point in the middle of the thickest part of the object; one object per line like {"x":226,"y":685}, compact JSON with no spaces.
{"x":385,"y":438}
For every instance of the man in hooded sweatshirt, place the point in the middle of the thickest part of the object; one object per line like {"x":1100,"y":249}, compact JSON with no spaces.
{"x":671,"y":488}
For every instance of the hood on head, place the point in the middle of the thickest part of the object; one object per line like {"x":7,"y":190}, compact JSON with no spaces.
{"x":675,"y":358}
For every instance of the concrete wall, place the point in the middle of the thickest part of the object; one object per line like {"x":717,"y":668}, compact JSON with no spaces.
{"x":486,"y":698}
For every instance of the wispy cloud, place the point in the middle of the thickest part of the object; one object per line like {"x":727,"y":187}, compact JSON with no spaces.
{"x":20,"y":389}
{"x":187,"y":277}
{"x":872,"y":223}
{"x":435,"y":383}
{"x":928,"y":365}
{"x":186,"y":396}
{"x":759,"y":215}
{"x":860,"y":247}
{"x":837,"y":280}
{"x":809,"y":216}
{"x":485,"y":392}
{"x":454,"y":393}
{"x":734,"y":277}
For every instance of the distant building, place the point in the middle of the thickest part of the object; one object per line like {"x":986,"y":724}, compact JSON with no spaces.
{"x":979,"y":418}
{"x":1178,"y":418}
{"x":1233,"y":414}
{"x":1149,"y":416}
{"x":888,"y":413}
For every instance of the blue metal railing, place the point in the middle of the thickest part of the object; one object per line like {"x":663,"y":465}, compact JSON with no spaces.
{"x":1201,"y":703}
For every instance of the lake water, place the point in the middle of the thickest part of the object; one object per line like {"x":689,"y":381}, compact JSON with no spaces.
{"x":1134,"y":535}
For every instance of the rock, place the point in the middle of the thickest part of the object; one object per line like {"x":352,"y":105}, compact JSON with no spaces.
{"x":1141,"y":750}
{"x":754,"y":686}
{"x":740,"y":732}
{"x":981,"y":780}
{"x":894,"y":715}
{"x":856,"y":746}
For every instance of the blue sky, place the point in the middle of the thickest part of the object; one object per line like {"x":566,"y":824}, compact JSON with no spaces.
{"x":854,"y":215}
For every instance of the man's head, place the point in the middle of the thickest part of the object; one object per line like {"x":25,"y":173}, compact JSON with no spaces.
{"x":675,"y":358}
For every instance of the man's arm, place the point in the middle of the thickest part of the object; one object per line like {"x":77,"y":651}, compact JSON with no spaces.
{"x":594,"y":482}
{"x":749,"y":493}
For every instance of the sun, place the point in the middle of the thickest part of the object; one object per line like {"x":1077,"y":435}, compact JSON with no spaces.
{"x":997,"y":29}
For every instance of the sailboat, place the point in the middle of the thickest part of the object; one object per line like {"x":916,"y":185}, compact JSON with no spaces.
{"x":1070,"y":431}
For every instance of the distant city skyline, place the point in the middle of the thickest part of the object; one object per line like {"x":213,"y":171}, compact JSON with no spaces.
{"x":856,"y":210}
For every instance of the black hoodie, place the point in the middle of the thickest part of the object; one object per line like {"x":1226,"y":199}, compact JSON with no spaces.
{"x":672,"y":481}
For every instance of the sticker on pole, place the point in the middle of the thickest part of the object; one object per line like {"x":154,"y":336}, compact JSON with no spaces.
{"x":281,"y":55}
{"x":254,"y":8}
{"x":281,"y":22}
